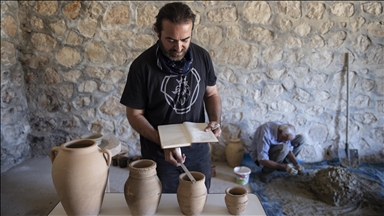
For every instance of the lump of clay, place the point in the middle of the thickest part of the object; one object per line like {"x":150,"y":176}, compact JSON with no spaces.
{"x":336,"y":186}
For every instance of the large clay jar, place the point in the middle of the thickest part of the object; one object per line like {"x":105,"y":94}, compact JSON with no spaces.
{"x":192,"y":197}
{"x":234,"y":152}
{"x":80,"y":175}
{"x":142,"y":190}
{"x":236,"y":200}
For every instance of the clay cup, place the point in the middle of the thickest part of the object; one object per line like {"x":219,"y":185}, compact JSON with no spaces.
{"x":236,"y":199}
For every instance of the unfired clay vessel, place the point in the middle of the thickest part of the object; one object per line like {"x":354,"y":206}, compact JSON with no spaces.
{"x":234,"y":152}
{"x":236,"y":200}
{"x":192,"y":197}
{"x":142,"y":190}
{"x":80,"y":174}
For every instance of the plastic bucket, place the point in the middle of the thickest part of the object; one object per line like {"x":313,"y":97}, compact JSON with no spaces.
{"x":242,"y":174}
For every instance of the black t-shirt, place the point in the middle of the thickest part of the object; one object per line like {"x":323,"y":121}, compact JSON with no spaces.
{"x":168,"y":98}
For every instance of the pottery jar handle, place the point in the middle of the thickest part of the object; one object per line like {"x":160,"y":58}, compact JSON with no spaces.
{"x":52,"y":153}
{"x":109,"y":158}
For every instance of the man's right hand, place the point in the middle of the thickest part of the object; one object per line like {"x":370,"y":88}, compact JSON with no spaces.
{"x":291,"y":170}
{"x":299,"y":168}
{"x":173,"y":156}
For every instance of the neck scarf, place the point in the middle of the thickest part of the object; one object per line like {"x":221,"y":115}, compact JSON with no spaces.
{"x":182,"y":67}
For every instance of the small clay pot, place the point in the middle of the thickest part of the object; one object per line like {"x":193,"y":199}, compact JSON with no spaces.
{"x":192,"y":197}
{"x":142,"y":190}
{"x":236,"y":199}
{"x":123,"y":162}
{"x":114,"y":161}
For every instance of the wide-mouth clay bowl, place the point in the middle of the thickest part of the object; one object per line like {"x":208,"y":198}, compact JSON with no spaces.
{"x":94,"y":136}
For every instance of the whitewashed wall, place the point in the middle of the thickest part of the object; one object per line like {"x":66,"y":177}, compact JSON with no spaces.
{"x":64,"y":67}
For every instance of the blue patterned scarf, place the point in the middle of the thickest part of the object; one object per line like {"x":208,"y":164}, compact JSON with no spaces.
{"x":182,"y":67}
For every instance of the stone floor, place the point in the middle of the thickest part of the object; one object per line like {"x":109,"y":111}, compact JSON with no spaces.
{"x":27,"y":188}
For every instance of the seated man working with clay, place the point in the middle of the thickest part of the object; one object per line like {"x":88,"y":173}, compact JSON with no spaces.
{"x":275,"y":146}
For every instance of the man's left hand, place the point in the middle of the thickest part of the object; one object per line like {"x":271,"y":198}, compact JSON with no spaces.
{"x":215,"y":128}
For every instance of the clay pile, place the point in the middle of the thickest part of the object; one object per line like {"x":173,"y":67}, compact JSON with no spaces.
{"x":336,"y":186}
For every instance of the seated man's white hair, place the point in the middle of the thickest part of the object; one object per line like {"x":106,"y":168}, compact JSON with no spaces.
{"x":288,"y":129}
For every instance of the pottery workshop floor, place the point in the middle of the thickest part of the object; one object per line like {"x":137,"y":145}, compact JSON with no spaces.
{"x":27,"y":188}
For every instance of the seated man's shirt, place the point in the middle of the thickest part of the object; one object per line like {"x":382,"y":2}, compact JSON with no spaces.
{"x":264,"y":138}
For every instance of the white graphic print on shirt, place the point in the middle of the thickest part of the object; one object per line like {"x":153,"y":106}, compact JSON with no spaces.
{"x":183,"y":96}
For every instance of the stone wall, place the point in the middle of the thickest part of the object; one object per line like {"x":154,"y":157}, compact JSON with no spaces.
{"x":15,"y":124}
{"x":274,"y":61}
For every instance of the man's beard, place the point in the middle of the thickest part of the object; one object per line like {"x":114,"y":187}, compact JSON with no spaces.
{"x":171,"y":54}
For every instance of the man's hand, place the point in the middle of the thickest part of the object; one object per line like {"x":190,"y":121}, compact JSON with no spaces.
{"x":173,"y":156}
{"x":214,"y":127}
{"x":299,"y":168}
{"x":290,"y":170}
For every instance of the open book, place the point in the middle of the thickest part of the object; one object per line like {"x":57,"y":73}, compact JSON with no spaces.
{"x":184,"y":134}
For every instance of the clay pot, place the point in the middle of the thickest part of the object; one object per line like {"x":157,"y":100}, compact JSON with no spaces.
{"x":123,"y":161}
{"x":142,"y":190}
{"x":234,"y":152}
{"x":192,"y":197}
{"x":236,"y":200}
{"x":80,"y":174}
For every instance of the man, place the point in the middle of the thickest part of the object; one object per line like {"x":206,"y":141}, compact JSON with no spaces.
{"x":169,"y":83}
{"x":274,"y":145}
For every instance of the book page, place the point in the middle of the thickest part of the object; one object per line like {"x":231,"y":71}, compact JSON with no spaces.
{"x":173,"y":135}
{"x":197,"y":133}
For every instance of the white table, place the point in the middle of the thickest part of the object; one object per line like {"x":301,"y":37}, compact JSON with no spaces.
{"x":115,"y":204}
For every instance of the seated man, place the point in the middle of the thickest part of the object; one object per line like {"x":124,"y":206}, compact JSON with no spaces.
{"x":274,"y":145}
